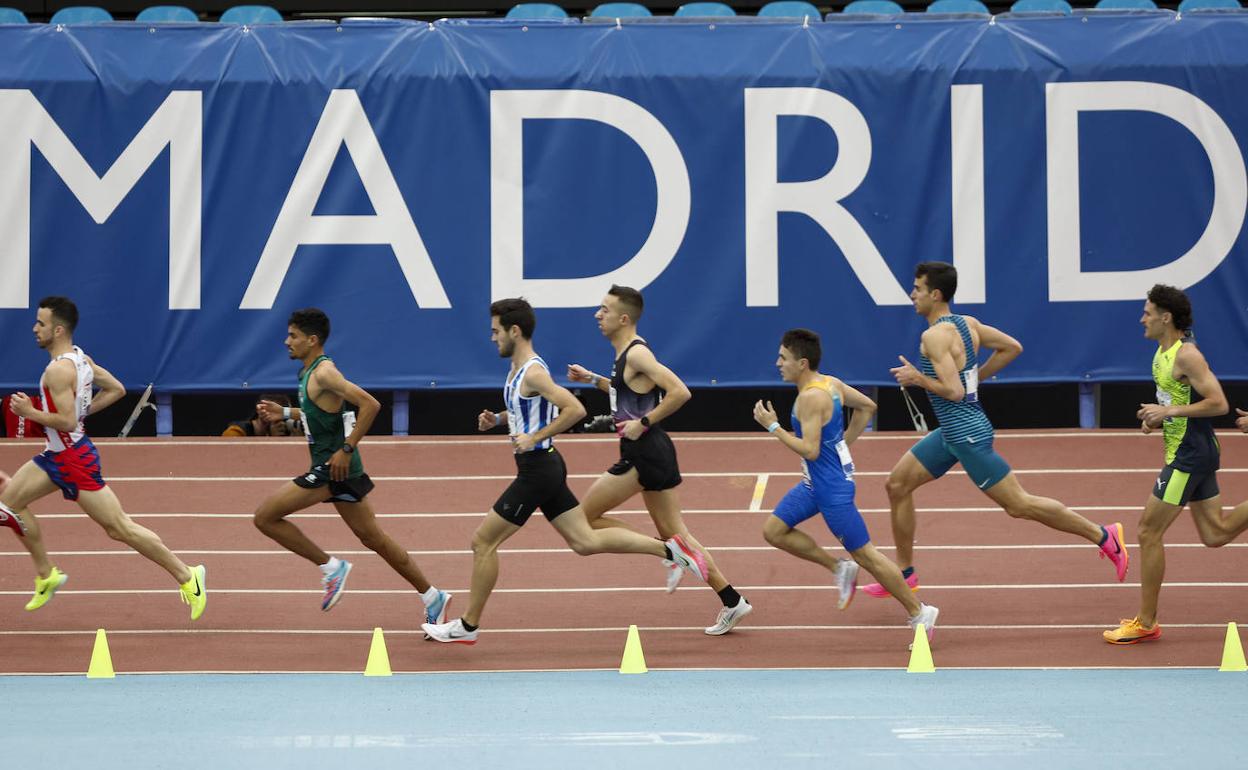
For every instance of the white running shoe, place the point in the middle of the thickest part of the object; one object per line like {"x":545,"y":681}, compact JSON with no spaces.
{"x":846,"y":581}
{"x":687,"y":558}
{"x":453,"y":632}
{"x":927,"y":616}
{"x":674,"y":574}
{"x":729,"y":617}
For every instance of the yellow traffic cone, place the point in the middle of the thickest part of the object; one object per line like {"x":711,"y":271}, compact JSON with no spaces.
{"x":634,"y":662}
{"x":1232,"y":651}
{"x":378,"y":658}
{"x":920,"y":653}
{"x":101,"y":666}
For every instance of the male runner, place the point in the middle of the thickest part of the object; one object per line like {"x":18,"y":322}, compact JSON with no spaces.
{"x":337,"y":474}
{"x":71,"y":463}
{"x":643,"y":392}
{"x":951,"y":376}
{"x":819,"y":437}
{"x":1188,"y":395}
{"x":537,"y":411}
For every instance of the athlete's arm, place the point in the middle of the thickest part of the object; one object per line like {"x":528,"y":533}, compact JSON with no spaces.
{"x":642,"y":360}
{"x":59,"y":379}
{"x":814,"y":411}
{"x":570,"y":410}
{"x":578,"y":373}
{"x":1191,"y":363}
{"x":329,"y":379}
{"x":939,"y":346}
{"x":111,"y":390}
{"x":488,"y":420}
{"x":1241,"y":422}
{"x":1004,"y":348}
{"x":275,"y":411}
{"x":863,"y":408}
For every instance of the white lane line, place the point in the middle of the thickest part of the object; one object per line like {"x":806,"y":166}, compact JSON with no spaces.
{"x":622,"y":589}
{"x":760,"y":487}
{"x":578,"y":630}
{"x":568,"y":552}
{"x":625,"y":512}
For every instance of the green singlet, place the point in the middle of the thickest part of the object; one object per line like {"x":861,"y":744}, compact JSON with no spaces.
{"x":324,"y":429}
{"x":1190,"y":443}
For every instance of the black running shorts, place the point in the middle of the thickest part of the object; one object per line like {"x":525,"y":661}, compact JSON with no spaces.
{"x":351,"y":490}
{"x":654,"y":457}
{"x":541,"y":482}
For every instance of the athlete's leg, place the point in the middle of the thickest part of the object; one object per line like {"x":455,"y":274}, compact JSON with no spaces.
{"x":888,"y":575}
{"x":270,"y":518}
{"x":607,"y":493}
{"x":491,"y":534}
{"x":778,"y":533}
{"x":105,"y":509}
{"x":1216,"y":526}
{"x":907,"y":476}
{"x":586,"y":540}
{"x":1157,"y":518}
{"x":363,"y":522}
{"x":28,"y":485}
{"x":664,"y":508}
{"x":1016,"y":501}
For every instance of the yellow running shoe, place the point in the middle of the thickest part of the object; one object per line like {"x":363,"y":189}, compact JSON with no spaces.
{"x":45,"y":587}
{"x":1132,"y":631}
{"x":195,"y":591}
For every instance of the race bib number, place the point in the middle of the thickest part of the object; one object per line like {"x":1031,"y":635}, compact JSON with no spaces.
{"x":1164,"y":398}
{"x":611,"y":395}
{"x":348,"y":423}
{"x":303,"y":418}
{"x":972,"y":385}
{"x":847,"y":460}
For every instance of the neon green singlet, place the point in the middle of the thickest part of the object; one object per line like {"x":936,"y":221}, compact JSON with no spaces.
{"x":1190,"y":442}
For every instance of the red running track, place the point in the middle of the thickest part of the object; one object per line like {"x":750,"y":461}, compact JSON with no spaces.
{"x":1011,"y":593}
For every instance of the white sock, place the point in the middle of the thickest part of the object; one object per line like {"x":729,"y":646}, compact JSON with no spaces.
{"x":430,"y":596}
{"x":331,"y":565}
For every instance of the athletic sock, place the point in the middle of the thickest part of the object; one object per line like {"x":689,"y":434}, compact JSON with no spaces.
{"x":907,"y":572}
{"x":729,"y":596}
{"x":430,"y":596}
{"x":331,"y":565}
{"x":467,"y":626}
{"x":1104,"y":537}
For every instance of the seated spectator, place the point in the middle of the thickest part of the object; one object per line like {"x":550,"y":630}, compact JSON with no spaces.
{"x":260,"y":425}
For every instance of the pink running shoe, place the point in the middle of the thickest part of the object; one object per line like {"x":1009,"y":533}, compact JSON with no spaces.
{"x":877,"y":591}
{"x":688,"y":558}
{"x":1115,"y":550}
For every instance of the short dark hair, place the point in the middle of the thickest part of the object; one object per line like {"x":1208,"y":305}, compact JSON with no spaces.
{"x":940,"y":275}
{"x":803,"y":343}
{"x":64,"y":311}
{"x":515,"y":312}
{"x":311,"y":321}
{"x":630,"y":298}
{"x":1175,"y":302}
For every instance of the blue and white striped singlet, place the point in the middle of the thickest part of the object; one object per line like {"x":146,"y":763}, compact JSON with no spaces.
{"x":528,"y":414}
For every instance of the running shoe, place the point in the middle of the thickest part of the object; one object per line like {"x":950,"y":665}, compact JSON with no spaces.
{"x":11,"y":520}
{"x":674,"y":574}
{"x":450,"y":633}
{"x":687,"y":558}
{"x":877,"y":591}
{"x":45,"y":588}
{"x":729,"y":617}
{"x":435,"y":614}
{"x":1132,"y":631}
{"x":1115,"y":550}
{"x":334,"y":582}
{"x":195,"y":591}
{"x":927,"y":616}
{"x":846,"y":581}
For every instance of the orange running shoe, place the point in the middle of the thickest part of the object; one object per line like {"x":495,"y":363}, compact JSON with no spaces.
{"x":1132,"y":632}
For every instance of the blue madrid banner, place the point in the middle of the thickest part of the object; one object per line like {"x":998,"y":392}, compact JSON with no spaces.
{"x":191,"y":185}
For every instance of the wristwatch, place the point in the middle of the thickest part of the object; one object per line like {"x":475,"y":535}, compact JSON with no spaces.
{"x":348,"y":449}
{"x":645,"y":420}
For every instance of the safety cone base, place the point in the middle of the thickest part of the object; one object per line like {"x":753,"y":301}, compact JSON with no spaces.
{"x":634,"y":661}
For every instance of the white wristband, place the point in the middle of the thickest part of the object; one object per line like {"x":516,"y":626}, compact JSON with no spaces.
{"x":775,"y":426}
{"x":498,"y":419}
{"x":594,"y":380}
{"x":285,"y":413}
